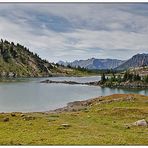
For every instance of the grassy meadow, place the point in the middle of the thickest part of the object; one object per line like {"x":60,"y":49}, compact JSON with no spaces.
{"x":101,"y":123}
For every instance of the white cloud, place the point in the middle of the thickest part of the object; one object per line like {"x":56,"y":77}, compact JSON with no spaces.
{"x":100,"y":31}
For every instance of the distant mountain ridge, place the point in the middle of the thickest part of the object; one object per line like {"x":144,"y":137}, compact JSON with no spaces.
{"x":94,"y":63}
{"x":137,"y":60}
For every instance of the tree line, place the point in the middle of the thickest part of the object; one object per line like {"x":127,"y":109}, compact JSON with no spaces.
{"x":127,"y":76}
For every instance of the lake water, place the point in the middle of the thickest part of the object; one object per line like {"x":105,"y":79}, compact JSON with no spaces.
{"x":30,"y":95}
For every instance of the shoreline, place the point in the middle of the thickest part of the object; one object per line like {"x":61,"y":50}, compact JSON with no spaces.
{"x":75,"y":106}
{"x":95,"y":83}
{"x":108,"y":116}
{"x":122,"y":85}
{"x":84,"y":105}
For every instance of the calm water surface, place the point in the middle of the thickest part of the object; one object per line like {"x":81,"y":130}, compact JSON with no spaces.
{"x":31,"y":95}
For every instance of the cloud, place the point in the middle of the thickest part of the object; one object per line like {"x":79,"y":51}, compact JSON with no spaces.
{"x":77,"y":31}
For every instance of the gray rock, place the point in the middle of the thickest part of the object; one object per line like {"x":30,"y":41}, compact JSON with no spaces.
{"x":22,"y":115}
{"x":6,"y":119}
{"x":127,"y":126}
{"x":142,"y":122}
{"x":13,"y":114}
{"x":65,"y":125}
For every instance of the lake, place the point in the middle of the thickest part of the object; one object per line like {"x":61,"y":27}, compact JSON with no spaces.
{"x":32,"y":96}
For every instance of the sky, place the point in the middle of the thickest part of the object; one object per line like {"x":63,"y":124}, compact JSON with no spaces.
{"x":74,"y":31}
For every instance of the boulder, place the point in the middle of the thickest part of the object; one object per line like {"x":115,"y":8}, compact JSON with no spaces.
{"x":6,"y":119}
{"x":22,"y":115}
{"x":13,"y":114}
{"x":142,"y":122}
{"x":127,"y":126}
{"x":65,"y":125}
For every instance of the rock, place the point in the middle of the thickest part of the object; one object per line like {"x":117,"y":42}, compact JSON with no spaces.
{"x":65,"y":82}
{"x":13,"y":114}
{"x":127,"y":126}
{"x":6,"y":119}
{"x":65,"y":125}
{"x":22,"y":115}
{"x":142,"y":122}
{"x":59,"y":128}
{"x":46,"y":81}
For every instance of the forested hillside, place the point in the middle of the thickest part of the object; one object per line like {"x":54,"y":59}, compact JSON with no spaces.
{"x":18,"y":61}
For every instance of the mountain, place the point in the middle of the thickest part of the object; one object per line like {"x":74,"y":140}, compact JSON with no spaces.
{"x":94,"y":63}
{"x":137,"y":60}
{"x":18,"y":61}
{"x":63,"y":63}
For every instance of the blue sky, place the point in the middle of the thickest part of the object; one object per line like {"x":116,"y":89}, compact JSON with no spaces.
{"x":71,"y":31}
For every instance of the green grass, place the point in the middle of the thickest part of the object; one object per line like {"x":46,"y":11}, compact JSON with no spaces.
{"x":103,"y":124}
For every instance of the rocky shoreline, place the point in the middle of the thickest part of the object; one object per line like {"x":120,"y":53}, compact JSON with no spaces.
{"x":95,"y":83}
{"x":86,"y":104}
{"x":124,"y":85}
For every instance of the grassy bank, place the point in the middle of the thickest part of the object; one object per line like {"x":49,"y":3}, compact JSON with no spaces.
{"x":102,"y":122}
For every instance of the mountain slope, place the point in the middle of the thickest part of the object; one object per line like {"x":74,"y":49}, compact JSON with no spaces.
{"x":94,"y":63}
{"x":136,"y":61}
{"x":17,"y":60}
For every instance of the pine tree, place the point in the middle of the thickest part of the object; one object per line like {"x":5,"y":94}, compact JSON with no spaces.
{"x":103,"y":79}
